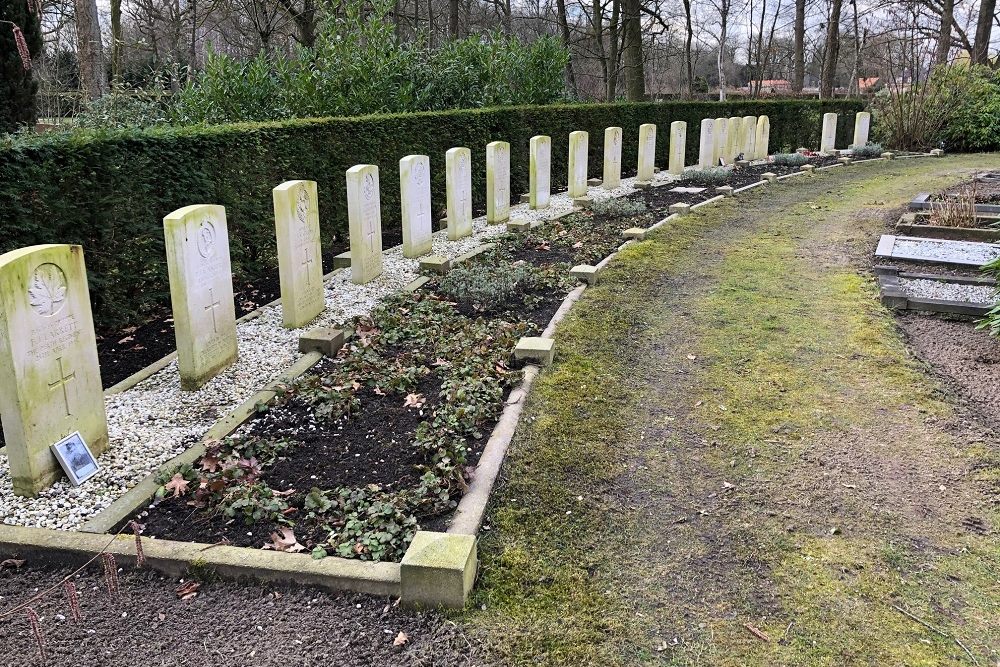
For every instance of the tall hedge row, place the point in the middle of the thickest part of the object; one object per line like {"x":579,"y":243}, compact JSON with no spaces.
{"x":111,"y":192}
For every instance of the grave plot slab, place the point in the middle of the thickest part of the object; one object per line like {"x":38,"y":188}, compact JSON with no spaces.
{"x":936,"y":293}
{"x":923,"y":202}
{"x":966,"y":253}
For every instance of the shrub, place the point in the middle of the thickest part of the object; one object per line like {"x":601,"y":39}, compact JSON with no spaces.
{"x":619,"y":207}
{"x":487,"y":286}
{"x":707,"y":177}
{"x":869,"y":150}
{"x":790,"y":159}
{"x":109,"y":191}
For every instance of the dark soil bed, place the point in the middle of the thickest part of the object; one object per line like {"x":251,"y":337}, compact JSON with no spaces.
{"x":224,"y":624}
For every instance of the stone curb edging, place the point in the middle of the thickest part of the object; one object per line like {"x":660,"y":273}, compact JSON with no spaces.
{"x":178,"y":558}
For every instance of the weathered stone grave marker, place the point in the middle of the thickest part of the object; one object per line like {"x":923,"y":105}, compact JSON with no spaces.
{"x":647,"y":153}
{"x":578,"y":148}
{"x":201,"y":292}
{"x":748,"y":131}
{"x":828,"y":142}
{"x":300,"y":261}
{"x":733,"y":138}
{"x":706,"y":145}
{"x":862,"y":122}
{"x":721,"y":137}
{"x":612,"y":158}
{"x":458,"y":175}
{"x":50,"y":379}
{"x":415,"y":204}
{"x":678,"y":144}
{"x":539,"y":171}
{"x":364,"y":217}
{"x":762,"y":138}
{"x":497,"y":182}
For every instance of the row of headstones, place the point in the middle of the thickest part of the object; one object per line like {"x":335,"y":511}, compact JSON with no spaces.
{"x":726,"y":140}
{"x":50,"y":382}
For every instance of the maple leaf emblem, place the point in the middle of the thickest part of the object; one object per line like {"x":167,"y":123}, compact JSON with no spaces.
{"x":47,"y":291}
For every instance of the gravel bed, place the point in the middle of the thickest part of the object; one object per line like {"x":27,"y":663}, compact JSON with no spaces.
{"x":961,"y":252}
{"x":937,"y":289}
{"x":154,"y":421}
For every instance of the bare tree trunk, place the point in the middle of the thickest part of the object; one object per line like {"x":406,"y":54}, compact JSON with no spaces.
{"x":635,"y":78}
{"x":944,"y":38}
{"x":564,"y":29}
{"x":614,"y":37}
{"x":453,"y":19}
{"x":984,"y":29}
{"x":721,"y":60}
{"x":90,"y":55}
{"x":597,"y":21}
{"x":832,"y":51}
{"x":854,"y":87}
{"x":688,"y":65}
{"x":117,"y":43}
{"x":799,"y":57}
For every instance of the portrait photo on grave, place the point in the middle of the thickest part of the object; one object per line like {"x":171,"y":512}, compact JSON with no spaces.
{"x":76,"y":458}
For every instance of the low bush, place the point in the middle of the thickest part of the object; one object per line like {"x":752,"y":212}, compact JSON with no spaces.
{"x":707,"y":177}
{"x":619,"y":206}
{"x":487,"y":287}
{"x":790,"y":159}
{"x":868,"y":151}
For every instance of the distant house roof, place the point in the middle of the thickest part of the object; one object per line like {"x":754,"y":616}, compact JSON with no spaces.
{"x":775,"y":83}
{"x":866,"y":84}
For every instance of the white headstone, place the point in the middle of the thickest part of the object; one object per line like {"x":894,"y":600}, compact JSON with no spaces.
{"x":862,"y":122}
{"x":415,"y":202}
{"x":364,"y":217}
{"x":578,"y":141}
{"x":734,"y":137}
{"x":748,"y":131}
{"x":539,"y":171}
{"x":612,"y":158}
{"x":201,"y":292}
{"x":300,"y":259}
{"x":678,"y":145}
{"x":721,"y":140}
{"x":50,"y":380}
{"x":497,"y":182}
{"x":762,"y":138}
{"x":647,"y":152}
{"x":828,"y":142}
{"x":458,"y":174}
{"x":706,"y":146}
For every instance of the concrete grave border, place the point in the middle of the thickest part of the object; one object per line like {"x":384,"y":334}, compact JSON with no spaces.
{"x":893,"y":296}
{"x":331,"y":573}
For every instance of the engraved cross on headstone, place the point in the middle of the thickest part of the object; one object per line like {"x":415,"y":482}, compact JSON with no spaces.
{"x":61,"y":382}
{"x":308,"y":262}
{"x":215,"y":303}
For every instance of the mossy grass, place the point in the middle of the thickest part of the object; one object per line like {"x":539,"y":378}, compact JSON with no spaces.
{"x":735,"y":435}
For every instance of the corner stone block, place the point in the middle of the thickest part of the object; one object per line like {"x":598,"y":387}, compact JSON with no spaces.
{"x":807,"y":167}
{"x":594,"y":182}
{"x":641,"y":185}
{"x":889,"y":155}
{"x":325,"y":340}
{"x":634,"y":233}
{"x":769,"y":176}
{"x":937,"y":152}
{"x":518,"y":225}
{"x":525,"y":199}
{"x":845,"y":160}
{"x":724,"y":190}
{"x":438,"y":570}
{"x":435,"y":264}
{"x":342,"y":261}
{"x":582,"y":202}
{"x":537,"y":349}
{"x":680,"y":208}
{"x":585,"y":273}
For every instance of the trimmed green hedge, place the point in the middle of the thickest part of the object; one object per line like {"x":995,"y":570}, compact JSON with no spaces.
{"x":110,"y":193}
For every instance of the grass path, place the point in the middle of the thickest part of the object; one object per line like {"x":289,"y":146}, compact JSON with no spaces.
{"x":735,"y":461}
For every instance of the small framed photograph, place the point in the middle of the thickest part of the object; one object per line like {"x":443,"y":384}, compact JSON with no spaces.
{"x":76,"y":458}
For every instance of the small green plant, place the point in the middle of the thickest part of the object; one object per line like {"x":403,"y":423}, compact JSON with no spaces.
{"x":790,"y":159}
{"x":868,"y":151}
{"x":487,"y":287}
{"x":619,"y":207}
{"x":707,"y":177}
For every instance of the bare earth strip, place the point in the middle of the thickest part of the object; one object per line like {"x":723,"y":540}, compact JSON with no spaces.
{"x":737,"y":461}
